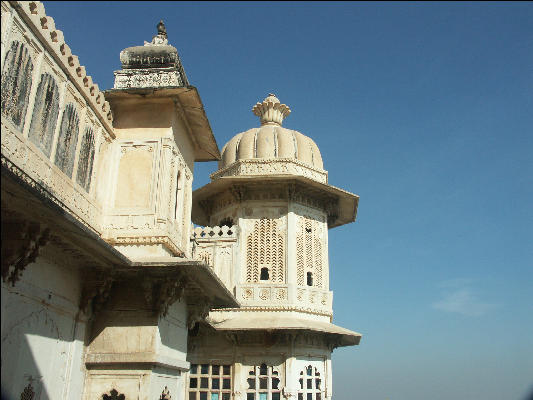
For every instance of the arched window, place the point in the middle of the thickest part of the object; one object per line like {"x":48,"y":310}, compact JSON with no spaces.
{"x":310,"y":384}
{"x":45,"y":111}
{"x":16,"y":83}
{"x":68,"y":138}
{"x":263,"y":383}
{"x":265,"y":276}
{"x":85,"y":163}
{"x":309,"y":279}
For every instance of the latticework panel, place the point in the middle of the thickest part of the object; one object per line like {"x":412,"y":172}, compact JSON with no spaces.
{"x":265,"y":248}
{"x":309,"y":252}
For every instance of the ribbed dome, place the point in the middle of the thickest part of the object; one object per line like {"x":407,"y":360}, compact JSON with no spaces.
{"x":271,"y":140}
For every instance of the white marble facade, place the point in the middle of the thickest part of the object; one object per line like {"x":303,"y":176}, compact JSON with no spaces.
{"x":109,"y":290}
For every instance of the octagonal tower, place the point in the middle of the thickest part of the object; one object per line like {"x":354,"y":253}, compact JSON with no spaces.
{"x":268,"y":209}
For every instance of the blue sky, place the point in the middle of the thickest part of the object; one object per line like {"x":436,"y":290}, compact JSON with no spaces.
{"x":425,"y":110}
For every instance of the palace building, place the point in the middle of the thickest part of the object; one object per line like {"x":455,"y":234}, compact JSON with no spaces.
{"x":120,"y":282}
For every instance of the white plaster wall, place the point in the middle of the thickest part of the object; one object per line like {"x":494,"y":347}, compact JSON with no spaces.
{"x":172,"y":332}
{"x":41,"y":341}
{"x":172,"y":380}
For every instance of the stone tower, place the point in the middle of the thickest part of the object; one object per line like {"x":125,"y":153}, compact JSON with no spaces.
{"x":268,"y":208}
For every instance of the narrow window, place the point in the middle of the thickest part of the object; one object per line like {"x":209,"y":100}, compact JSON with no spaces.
{"x":45,"y":112}
{"x":177,"y":202}
{"x":68,"y":138}
{"x":85,"y":163}
{"x":264,"y":274}
{"x":309,"y":279}
{"x":16,"y":83}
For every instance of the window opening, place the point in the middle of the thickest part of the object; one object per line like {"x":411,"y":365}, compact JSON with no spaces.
{"x":16,"y":83}
{"x":85,"y":163}
{"x":264,"y":274}
{"x":45,"y":112}
{"x":310,"y":384}
{"x":309,"y":279}
{"x":263,"y":383}
{"x":178,"y":187}
{"x":209,"y":382}
{"x":67,"y":140}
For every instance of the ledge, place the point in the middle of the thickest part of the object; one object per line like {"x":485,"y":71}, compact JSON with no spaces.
{"x":101,"y":359}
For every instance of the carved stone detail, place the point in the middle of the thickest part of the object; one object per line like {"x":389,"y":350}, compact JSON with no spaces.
{"x":113,"y":395}
{"x":27,"y":393}
{"x":142,"y":78}
{"x":274,"y":166}
{"x":265,"y":247}
{"x":21,"y":242}
{"x":198,"y":313}
{"x":96,"y":291}
{"x":165,"y":394}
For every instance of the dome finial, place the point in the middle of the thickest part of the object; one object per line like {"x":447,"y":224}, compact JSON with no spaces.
{"x":271,"y":111}
{"x":161,"y":29}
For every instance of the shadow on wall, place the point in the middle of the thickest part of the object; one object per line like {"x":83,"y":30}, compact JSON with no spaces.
{"x":42,"y":341}
{"x":21,"y":376}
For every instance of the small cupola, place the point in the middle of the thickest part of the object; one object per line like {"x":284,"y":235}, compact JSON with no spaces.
{"x":155,"y":64}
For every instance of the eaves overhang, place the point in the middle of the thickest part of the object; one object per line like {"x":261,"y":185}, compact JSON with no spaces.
{"x":346,"y":209}
{"x":26,"y":200}
{"x":338,"y":335}
{"x":189,"y":105}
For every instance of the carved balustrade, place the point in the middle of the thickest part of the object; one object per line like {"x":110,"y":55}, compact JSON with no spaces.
{"x":217,"y":246}
{"x":283,"y":296}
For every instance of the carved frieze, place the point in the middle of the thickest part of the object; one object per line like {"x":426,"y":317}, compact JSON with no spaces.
{"x":145,"y":78}
{"x":272,"y":166}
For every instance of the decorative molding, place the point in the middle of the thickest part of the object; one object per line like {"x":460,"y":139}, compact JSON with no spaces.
{"x":147,"y":78}
{"x":277,"y":308}
{"x":147,"y":240}
{"x":271,"y":166}
{"x":294,"y":192}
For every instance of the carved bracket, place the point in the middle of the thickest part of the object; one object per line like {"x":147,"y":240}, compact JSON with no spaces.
{"x":96,"y":291}
{"x":21,"y":242}
{"x":160,"y":295}
{"x":198,"y":313}
{"x":238,"y":192}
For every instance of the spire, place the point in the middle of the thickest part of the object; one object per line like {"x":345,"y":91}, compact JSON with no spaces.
{"x":271,"y":111}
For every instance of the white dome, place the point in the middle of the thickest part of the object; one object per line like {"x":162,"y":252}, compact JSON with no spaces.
{"x":271,"y":140}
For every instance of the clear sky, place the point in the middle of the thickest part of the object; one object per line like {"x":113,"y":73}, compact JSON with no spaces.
{"x":425,"y":110}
